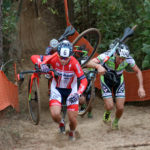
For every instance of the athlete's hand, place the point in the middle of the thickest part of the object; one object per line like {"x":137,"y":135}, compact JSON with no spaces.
{"x":101,"y":70}
{"x":44,"y":68}
{"x":141,"y":92}
{"x":73,"y":97}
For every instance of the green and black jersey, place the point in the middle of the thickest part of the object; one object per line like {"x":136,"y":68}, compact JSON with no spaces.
{"x":107,"y":83}
{"x":110,"y":64}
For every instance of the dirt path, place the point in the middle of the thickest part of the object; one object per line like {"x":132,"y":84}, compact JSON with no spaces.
{"x":134,"y":133}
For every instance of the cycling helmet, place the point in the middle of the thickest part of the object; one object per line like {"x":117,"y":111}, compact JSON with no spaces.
{"x":123,"y":51}
{"x":111,"y":46}
{"x":53,"y":43}
{"x":65,"y":48}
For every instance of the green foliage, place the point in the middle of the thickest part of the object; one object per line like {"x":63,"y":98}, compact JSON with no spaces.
{"x":53,"y":11}
{"x":112,"y":17}
{"x":9,"y":19}
{"x":8,"y":26}
{"x":44,"y":1}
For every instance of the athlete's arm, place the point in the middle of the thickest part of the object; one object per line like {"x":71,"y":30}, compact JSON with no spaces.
{"x":80,"y":75}
{"x":95,"y":63}
{"x":141,"y":91}
{"x":82,"y":86}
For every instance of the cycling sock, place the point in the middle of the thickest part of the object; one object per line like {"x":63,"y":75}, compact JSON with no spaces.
{"x":108,"y":112}
{"x":72,"y":131}
{"x":116,"y":120}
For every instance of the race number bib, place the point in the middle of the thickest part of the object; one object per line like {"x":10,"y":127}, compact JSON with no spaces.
{"x":64,"y":52}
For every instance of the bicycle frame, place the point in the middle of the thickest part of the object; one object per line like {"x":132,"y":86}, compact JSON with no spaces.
{"x":127,"y":33}
{"x":34,"y":75}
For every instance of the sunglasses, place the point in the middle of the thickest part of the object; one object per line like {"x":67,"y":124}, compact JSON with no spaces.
{"x":63,"y":58}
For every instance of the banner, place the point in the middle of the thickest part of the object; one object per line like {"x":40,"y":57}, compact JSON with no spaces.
{"x":8,"y":93}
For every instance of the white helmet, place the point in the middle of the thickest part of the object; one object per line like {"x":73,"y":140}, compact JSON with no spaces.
{"x":53,"y":43}
{"x":123,"y":51}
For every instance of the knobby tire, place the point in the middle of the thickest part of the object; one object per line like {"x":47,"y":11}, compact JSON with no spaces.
{"x":34,"y":102}
{"x":97,"y":35}
{"x":91,"y":99}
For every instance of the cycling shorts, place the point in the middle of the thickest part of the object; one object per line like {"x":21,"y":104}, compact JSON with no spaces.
{"x":108,"y":87}
{"x":59,"y":97}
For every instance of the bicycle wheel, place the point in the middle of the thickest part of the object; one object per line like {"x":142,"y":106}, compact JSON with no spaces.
{"x":34,"y":101}
{"x":86,"y":44}
{"x":87,"y":107}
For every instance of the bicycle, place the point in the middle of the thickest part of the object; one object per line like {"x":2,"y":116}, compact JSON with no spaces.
{"x":33,"y":91}
{"x":128,"y":32}
{"x":85,"y":44}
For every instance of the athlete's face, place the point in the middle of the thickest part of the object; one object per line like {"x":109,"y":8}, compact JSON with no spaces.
{"x":119,"y":60}
{"x":64,"y":60}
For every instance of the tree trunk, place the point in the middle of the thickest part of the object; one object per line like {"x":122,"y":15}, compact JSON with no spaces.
{"x":1,"y":37}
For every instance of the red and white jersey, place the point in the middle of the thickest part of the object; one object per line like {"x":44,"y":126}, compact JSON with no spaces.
{"x":67,"y":74}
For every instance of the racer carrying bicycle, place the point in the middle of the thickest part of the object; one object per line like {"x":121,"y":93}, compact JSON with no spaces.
{"x":64,"y":86}
{"x":112,"y":80}
{"x":51,"y":49}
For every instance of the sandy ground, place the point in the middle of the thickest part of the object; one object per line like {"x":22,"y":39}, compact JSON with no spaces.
{"x":93,"y":134}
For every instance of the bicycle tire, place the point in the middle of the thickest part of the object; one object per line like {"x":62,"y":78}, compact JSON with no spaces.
{"x":89,"y":32}
{"x":34,"y":101}
{"x":91,"y":99}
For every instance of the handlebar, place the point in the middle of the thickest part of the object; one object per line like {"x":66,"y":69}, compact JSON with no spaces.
{"x":39,"y":71}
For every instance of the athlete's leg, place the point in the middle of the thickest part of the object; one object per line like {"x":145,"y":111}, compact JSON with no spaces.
{"x":119,"y":112}
{"x":119,"y":107}
{"x":107,"y":97}
{"x":56,"y":113}
{"x":72,"y":115}
{"x":119,"y":92}
{"x":108,"y":104}
{"x":72,"y":110}
{"x":55,"y":104}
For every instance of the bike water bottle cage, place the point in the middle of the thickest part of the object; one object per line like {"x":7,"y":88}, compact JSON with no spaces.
{"x":54,"y":43}
{"x":123,"y":51}
{"x":65,"y":49}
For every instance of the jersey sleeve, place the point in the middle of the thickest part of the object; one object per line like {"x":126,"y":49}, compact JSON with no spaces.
{"x":49,"y":58}
{"x":36,"y":59}
{"x":81,"y":77}
{"x":101,"y":57}
{"x":131,"y":61}
{"x":78,"y":70}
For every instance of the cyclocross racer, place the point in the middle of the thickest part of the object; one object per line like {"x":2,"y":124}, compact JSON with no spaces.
{"x":64,"y":86}
{"x":112,"y":80}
